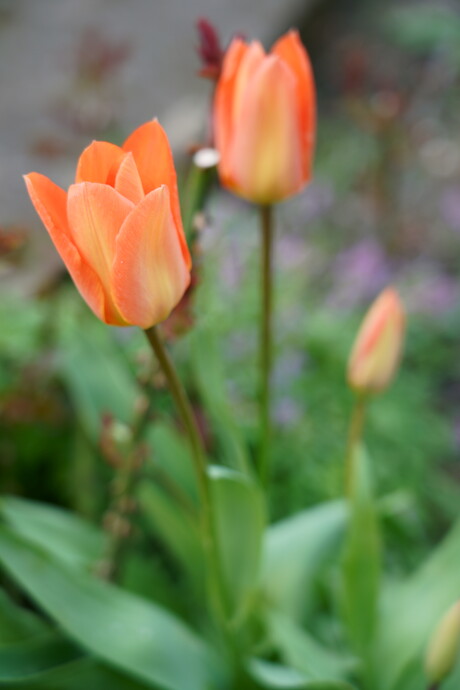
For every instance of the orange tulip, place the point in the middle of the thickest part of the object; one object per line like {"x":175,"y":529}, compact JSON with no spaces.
{"x":118,"y":229}
{"x":378,"y":347}
{"x":264,"y":119}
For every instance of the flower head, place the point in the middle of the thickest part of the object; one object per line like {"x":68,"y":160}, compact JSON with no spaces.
{"x":264,"y":119}
{"x":118,"y":228}
{"x":377,"y":350}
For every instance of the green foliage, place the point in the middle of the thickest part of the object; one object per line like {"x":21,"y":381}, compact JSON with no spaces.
{"x":128,"y":633}
{"x":295,"y":550}
{"x":361,"y":559}
{"x":239,"y":510}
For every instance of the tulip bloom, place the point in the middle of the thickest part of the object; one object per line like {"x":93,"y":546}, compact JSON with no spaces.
{"x":118,"y":229}
{"x":264,"y":119}
{"x":377,"y":349}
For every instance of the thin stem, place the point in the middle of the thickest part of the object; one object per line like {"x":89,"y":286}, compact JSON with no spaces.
{"x":354,"y":438}
{"x":217,"y":589}
{"x":117,"y":525}
{"x":123,"y":488}
{"x":266,"y":226}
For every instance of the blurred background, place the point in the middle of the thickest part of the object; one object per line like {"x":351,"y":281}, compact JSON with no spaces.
{"x":384,"y":207}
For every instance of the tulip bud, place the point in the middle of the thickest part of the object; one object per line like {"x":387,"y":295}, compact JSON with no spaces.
{"x":264,"y":119}
{"x":443,"y":648}
{"x":377,"y":350}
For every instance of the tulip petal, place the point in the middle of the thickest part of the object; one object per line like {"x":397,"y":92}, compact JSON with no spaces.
{"x":266,"y":148}
{"x":99,"y":162}
{"x":128,"y":181}
{"x":149,"y":272}
{"x":290,"y":49}
{"x":152,"y":153}
{"x":223,"y":102}
{"x":250,"y":63}
{"x":50,"y":202}
{"x":96,"y":213}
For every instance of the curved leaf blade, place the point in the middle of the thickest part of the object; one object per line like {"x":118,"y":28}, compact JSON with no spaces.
{"x":125,"y":631}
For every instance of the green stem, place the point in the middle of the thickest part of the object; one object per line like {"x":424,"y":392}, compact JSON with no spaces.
{"x":354,"y":438}
{"x":217,"y":591}
{"x":266,"y":227}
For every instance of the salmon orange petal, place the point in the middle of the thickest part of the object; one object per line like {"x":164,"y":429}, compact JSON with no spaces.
{"x":128,"y":181}
{"x":149,"y":272}
{"x":224,"y":110}
{"x":150,"y":147}
{"x":96,"y":213}
{"x":291,"y":50}
{"x":265,"y":155}
{"x":50,"y":202}
{"x":99,"y":162}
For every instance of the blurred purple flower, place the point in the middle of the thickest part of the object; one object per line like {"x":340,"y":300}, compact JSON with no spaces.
{"x":450,"y":207}
{"x":287,"y":368}
{"x":311,"y":204}
{"x":359,"y":273}
{"x":287,"y":412}
{"x":430,"y":290}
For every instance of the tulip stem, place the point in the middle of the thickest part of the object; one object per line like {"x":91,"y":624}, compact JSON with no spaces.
{"x":266,"y":226}
{"x":354,"y":438}
{"x":217,"y":591}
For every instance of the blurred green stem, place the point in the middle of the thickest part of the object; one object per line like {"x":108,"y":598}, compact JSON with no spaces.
{"x":354,"y":439}
{"x":122,"y":493}
{"x":217,"y":589}
{"x":266,"y":226}
{"x":197,"y":185}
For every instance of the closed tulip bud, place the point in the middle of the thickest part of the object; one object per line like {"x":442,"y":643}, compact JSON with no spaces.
{"x":444,"y":646}
{"x":377,"y":350}
{"x":118,"y":229}
{"x":264,"y":119}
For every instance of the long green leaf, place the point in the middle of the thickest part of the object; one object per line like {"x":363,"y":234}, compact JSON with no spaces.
{"x":66,"y":536}
{"x":295,"y":550}
{"x":302,"y":652}
{"x":240,"y":521}
{"x":175,"y":527}
{"x":16,"y":623}
{"x":277,"y":677}
{"x":410,"y":612}
{"x":96,"y":373}
{"x":84,"y":674}
{"x":30,"y":659}
{"x":127,"y":632}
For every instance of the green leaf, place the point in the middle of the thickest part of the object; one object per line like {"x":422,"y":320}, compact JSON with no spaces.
{"x":60,"y":533}
{"x":210,"y":379}
{"x":302,"y":652}
{"x":240,"y":519}
{"x":86,"y":673}
{"x":127,"y":632}
{"x":32,"y":658}
{"x":175,"y":526}
{"x":275,"y":676}
{"x":361,"y":559}
{"x":171,"y":457}
{"x":16,"y":623}
{"x":410,"y":612}
{"x":295,"y":550}
{"x":96,"y":372}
